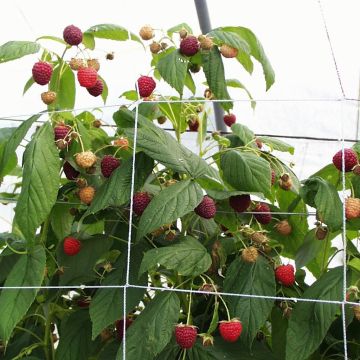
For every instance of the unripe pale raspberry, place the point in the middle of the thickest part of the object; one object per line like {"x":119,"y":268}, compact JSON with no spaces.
{"x":185,"y":335}
{"x":97,"y":89}
{"x":87,"y":77}
{"x":285,"y":275}
{"x":283,"y":227}
{"x":229,"y":119}
{"x":285,"y":182}
{"x":183,"y":33}
{"x":264,"y":217}
{"x":75,"y":64}
{"x":352,"y":208}
{"x":356,"y":310}
{"x":155,"y":47}
{"x":259,"y":238}
{"x":206,"y":208}
{"x":189,"y":46}
{"x":42,"y":72}
{"x":86,"y":194}
{"x":85,"y":159}
{"x":228,"y":51}
{"x":240,"y":203}
{"x":48,"y":97}
{"x":146,"y":32}
{"x":140,"y":202}
{"x":122,"y":143}
{"x":72,"y":35}
{"x":321,"y":232}
{"x":71,"y":246}
{"x":69,"y":171}
{"x":351,"y":159}
{"x":146,"y":85}
{"x":259,"y":143}
{"x":93,"y":63}
{"x":250,"y":254}
{"x":108,"y":165}
{"x":206,"y":43}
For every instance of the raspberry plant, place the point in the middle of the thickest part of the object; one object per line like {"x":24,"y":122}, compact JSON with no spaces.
{"x":204,"y":225}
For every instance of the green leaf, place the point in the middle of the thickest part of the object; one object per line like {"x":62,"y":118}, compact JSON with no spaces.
{"x":188,"y":258}
{"x":215,"y":76}
{"x":246,"y":171}
{"x":178,"y":27}
{"x":40,"y":182}
{"x":88,"y":41}
{"x":243,"y":133}
{"x":279,"y":325}
{"x":75,"y":337}
{"x":17,"y":49}
{"x":276,"y":144}
{"x":14,"y":303}
{"x":112,"y":32}
{"x":230,"y":38}
{"x":156,"y":329}
{"x":79,"y":268}
{"x":215,"y":318}
{"x":256,"y":50}
{"x":53,"y":38}
{"x":237,"y":84}
{"x":107,"y":305}
{"x":310,"y":321}
{"x":322,"y":195}
{"x":28,"y":85}
{"x":355,"y":264}
{"x":105,"y":91}
{"x":173,"y":69}
{"x":252,"y":279}
{"x":65,"y":87}
{"x":115,"y":191}
{"x":130,"y":95}
{"x":13,"y":142}
{"x":189,"y":83}
{"x":308,"y":250}
{"x":171,"y":203}
{"x":11,"y":161}
{"x":61,"y":220}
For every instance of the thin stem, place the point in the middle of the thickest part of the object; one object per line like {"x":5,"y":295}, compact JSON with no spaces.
{"x":29,"y":332}
{"x":189,"y":308}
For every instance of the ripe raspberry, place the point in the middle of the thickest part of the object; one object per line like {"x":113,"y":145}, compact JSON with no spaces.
{"x":356,"y":310}
{"x":48,"y":97}
{"x":321,"y":232}
{"x":352,"y":208}
{"x":206,"y":209}
{"x":108,"y":165}
{"x":61,"y":131}
{"x":285,"y":275}
{"x":250,"y":254}
{"x":41,"y":72}
{"x":240,"y":202}
{"x":264,"y":218}
{"x":283,"y":227}
{"x":86,"y":194}
{"x":87,"y":77}
{"x":189,"y":46}
{"x":122,"y":143}
{"x":97,"y":89}
{"x":146,"y":85}
{"x":75,"y":64}
{"x":146,"y":32}
{"x":140,"y":202}
{"x":72,"y":35}
{"x":155,"y":47}
{"x":194,"y":123}
{"x":206,"y":43}
{"x":229,"y":119}
{"x":85,"y":159}
{"x":69,"y":171}
{"x":185,"y":335}
{"x":228,"y":51}
{"x":119,"y":325}
{"x":351,"y":159}
{"x":259,"y":238}
{"x":230,"y":330}
{"x":93,"y":63}
{"x":273,"y":176}
{"x":71,"y":246}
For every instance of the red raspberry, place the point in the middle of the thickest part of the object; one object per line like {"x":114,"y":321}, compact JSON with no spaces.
{"x":140,"y":202}
{"x":285,"y":275}
{"x":61,"y":132}
{"x":41,"y":72}
{"x":229,"y":119}
{"x":351,"y":159}
{"x":206,"y":208}
{"x":194,"y":124}
{"x":185,"y":335}
{"x":72,"y":35}
{"x":230,"y":330}
{"x":240,"y":202}
{"x":69,"y":171}
{"x":71,"y":246}
{"x":108,"y":165}
{"x":189,"y":46}
{"x":146,"y":85}
{"x":87,"y":77}
{"x":119,"y":325}
{"x":97,"y":89}
{"x":264,"y":218}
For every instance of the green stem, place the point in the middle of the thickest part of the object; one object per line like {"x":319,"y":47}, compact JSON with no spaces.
{"x":188,"y":320}
{"x":29,"y":332}
{"x":326,"y":254}
{"x":48,"y":337}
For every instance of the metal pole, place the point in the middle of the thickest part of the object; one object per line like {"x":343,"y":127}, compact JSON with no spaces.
{"x":205,"y":26}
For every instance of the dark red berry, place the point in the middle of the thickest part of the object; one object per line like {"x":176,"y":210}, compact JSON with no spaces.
{"x":140,"y":202}
{"x":119,"y":325}
{"x":194,"y":124}
{"x":229,"y":119}
{"x":264,"y":217}
{"x":146,"y":85}
{"x":97,"y":89}
{"x":41,"y":72}
{"x":206,"y":208}
{"x":61,"y":132}
{"x":189,"y":46}
{"x":72,"y":35}
{"x":240,"y":202}
{"x":108,"y":165}
{"x":185,"y":335}
{"x":351,"y":159}
{"x":69,"y":171}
